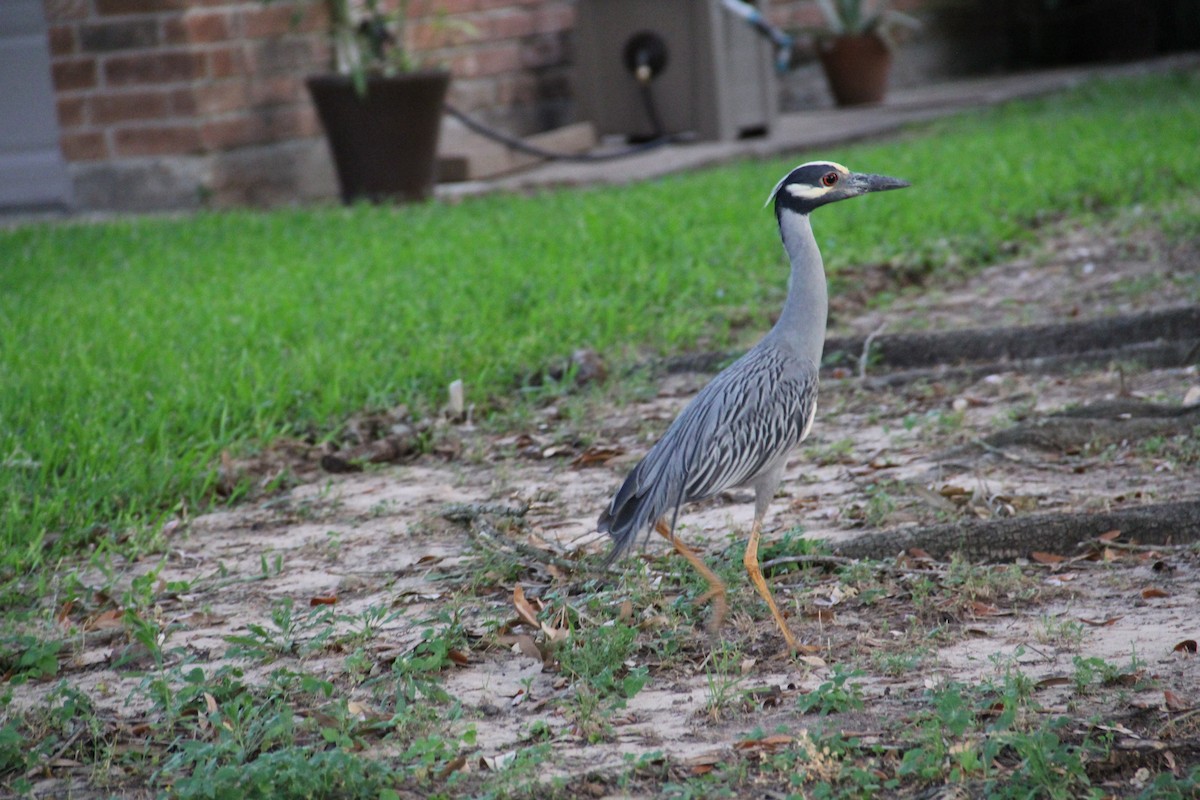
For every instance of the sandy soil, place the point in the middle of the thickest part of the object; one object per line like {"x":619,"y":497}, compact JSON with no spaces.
{"x":875,"y":460}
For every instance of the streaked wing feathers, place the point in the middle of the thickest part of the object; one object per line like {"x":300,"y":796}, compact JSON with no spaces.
{"x":753,"y":412}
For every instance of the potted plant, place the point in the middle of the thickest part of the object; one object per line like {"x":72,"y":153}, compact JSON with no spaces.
{"x":856,"y":48}
{"x":381,"y":111}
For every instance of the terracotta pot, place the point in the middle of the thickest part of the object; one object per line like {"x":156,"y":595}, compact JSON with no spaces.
{"x":384,"y":143}
{"x":856,"y":68}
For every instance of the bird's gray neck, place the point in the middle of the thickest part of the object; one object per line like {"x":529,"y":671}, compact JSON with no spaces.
{"x":801,"y":325}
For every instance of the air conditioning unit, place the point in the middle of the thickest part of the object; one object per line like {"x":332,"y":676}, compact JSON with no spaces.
{"x":716,"y":78}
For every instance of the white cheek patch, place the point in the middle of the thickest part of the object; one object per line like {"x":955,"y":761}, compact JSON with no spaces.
{"x":802,"y":192}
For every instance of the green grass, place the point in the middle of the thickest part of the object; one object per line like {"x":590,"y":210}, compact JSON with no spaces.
{"x":133,"y":352}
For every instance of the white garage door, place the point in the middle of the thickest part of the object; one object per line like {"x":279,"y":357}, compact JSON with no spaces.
{"x":32,"y":172}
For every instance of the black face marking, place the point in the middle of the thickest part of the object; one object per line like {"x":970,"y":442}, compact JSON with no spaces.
{"x":808,"y":186}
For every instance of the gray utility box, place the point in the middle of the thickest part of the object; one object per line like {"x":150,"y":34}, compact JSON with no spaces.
{"x":719,"y":81}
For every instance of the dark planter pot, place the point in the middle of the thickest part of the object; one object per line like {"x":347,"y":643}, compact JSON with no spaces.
{"x":857,"y":68}
{"x":384,"y":143}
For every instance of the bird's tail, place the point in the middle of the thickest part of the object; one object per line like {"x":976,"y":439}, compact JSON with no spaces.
{"x":634,"y":510}
{"x":623,"y":536}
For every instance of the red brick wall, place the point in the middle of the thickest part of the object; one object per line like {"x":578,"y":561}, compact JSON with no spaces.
{"x":188,"y":77}
{"x":510,"y":59}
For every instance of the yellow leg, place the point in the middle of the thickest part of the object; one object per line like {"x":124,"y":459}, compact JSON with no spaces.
{"x":716,"y":587}
{"x":760,"y":583}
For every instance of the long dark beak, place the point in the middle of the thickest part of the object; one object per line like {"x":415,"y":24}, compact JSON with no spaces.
{"x":862,"y":183}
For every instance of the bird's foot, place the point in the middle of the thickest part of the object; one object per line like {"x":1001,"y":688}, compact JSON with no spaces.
{"x":793,"y":647}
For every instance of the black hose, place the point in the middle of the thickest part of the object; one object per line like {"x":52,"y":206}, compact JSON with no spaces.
{"x":656,"y":125}
{"x":517,"y":144}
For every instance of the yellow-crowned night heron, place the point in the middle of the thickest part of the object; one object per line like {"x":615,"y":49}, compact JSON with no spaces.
{"x":739,"y":429}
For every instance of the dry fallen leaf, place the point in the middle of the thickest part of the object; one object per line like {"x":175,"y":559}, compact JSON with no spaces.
{"x":1047,"y":558}
{"x":979,"y":609}
{"x":768,"y":744}
{"x":1054,"y":680}
{"x":524,"y":610}
{"x":454,"y":765}
{"x":497,"y":762}
{"x":360,"y":710}
{"x":1153,"y":591}
{"x":522,"y":642}
{"x":1174,"y":702}
{"x":105,"y":620}
{"x":596,"y":456}
{"x":322,"y":600}
{"x":1186,"y":646}
{"x":1099,"y":623}
{"x":201,"y":619}
{"x":555,"y":634}
{"x":699,"y":765}
{"x":1109,"y":537}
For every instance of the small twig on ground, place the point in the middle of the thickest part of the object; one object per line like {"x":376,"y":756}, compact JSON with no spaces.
{"x":469,"y":512}
{"x":1137,"y":548}
{"x":866,"y":351}
{"x":996,"y":451}
{"x":1175,"y":723}
{"x":63,"y":748}
{"x":842,"y":561}
{"x":483,"y":531}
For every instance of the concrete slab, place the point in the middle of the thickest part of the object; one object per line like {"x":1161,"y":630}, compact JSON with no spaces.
{"x":810,"y":130}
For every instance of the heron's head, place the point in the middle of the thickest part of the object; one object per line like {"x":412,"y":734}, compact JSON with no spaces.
{"x":816,"y":183}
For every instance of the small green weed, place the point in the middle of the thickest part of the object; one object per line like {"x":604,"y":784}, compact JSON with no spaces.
{"x":1065,"y":633}
{"x":1045,"y":765}
{"x":594,"y":659}
{"x":291,"y":634}
{"x":1089,"y":672}
{"x":904,"y":658}
{"x":25,"y":657}
{"x":835,"y":695}
{"x":934,"y":756}
{"x":724,"y":676}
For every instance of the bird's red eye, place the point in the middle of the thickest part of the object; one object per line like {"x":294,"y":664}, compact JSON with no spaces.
{"x":830,"y":178}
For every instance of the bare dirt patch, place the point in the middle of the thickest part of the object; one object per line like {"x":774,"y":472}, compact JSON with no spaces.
{"x":371,"y":565}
